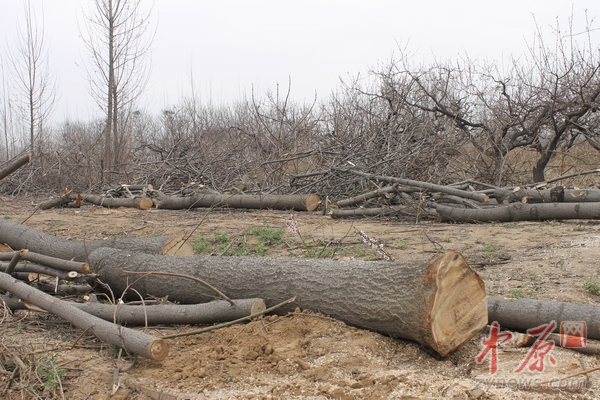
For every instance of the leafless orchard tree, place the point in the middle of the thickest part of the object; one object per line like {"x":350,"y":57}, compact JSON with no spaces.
{"x":544,"y":101}
{"x":34,"y":84}
{"x":117,"y":35}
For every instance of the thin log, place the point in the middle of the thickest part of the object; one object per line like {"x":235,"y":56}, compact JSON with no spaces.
{"x":180,"y":314}
{"x":63,"y":289}
{"x":372,"y":194}
{"x":522,"y":314}
{"x":14,"y":260}
{"x":308,"y":202}
{"x":143,"y":203}
{"x":19,"y":236}
{"x":39,"y":269}
{"x":457,"y":200}
{"x":64,"y":199}
{"x":14,"y":165}
{"x":477,"y":196}
{"x":213,"y":312}
{"x":441,"y":303}
{"x":546,"y":196}
{"x":371,"y":212}
{"x":135,"y":342}
{"x":56,"y":263}
{"x":520,"y":212}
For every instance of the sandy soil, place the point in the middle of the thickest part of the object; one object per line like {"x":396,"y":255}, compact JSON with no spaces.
{"x":310,"y":356}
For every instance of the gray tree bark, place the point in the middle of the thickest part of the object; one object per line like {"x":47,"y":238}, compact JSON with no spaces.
{"x":440,"y":304}
{"x":520,"y":212}
{"x":522,"y":314}
{"x":22,"y":237}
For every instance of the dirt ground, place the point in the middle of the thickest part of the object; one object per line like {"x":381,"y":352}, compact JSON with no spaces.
{"x":310,"y":356}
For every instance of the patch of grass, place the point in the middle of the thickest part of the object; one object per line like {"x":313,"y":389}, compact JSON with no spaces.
{"x":579,"y":228}
{"x":352,"y":251}
{"x":238,"y":251}
{"x":492,"y":253}
{"x":266,"y":235}
{"x":50,"y":374}
{"x":534,"y":276}
{"x":6,"y":216}
{"x":201,"y":246}
{"x":592,"y":285}
{"x":516,"y":294}
{"x":403,"y":245}
{"x":511,"y":225}
{"x":220,"y":238}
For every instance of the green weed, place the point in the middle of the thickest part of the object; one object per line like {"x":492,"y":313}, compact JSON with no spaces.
{"x":516,"y":294}
{"x":592,"y":285}
{"x":267,"y":235}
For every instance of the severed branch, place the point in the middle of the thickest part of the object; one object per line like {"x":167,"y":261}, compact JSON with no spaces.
{"x":423,"y":185}
{"x":237,"y":321}
{"x":133,"y":341}
{"x":14,"y":165}
{"x":143,"y":203}
{"x":53,"y":262}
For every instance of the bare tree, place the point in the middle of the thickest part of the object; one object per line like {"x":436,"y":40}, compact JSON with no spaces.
{"x":34,"y":84}
{"x":118,"y":42}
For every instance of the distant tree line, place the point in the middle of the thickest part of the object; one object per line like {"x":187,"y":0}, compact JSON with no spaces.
{"x":442,"y":122}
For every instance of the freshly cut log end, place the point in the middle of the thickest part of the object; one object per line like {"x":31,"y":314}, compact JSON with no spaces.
{"x":178,"y":247}
{"x":159,"y":349}
{"x":459,"y":307}
{"x":258,"y":306}
{"x":146,"y":203}
{"x":312,"y":202}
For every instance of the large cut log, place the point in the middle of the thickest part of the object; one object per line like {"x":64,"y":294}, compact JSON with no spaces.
{"x":19,"y":236}
{"x":14,"y":165}
{"x":181,"y":314}
{"x":307,"y":202}
{"x":547,"y":195}
{"x":520,"y":212}
{"x":522,"y":314}
{"x":143,"y":203}
{"x":133,"y":341}
{"x":440,"y":304}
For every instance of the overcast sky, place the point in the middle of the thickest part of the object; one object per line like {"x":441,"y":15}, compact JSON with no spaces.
{"x":229,"y":46}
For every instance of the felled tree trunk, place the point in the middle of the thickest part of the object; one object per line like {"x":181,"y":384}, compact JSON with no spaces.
{"x":520,"y":212}
{"x":308,"y":202}
{"x":22,"y":237}
{"x":133,"y":341}
{"x":441,"y":303}
{"x":143,"y":203}
{"x":554,"y":195}
{"x":14,"y":165}
{"x":522,"y":314}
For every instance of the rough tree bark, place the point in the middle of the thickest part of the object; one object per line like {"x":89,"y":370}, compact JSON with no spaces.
{"x":133,"y":341}
{"x":22,"y":237}
{"x":14,"y":165}
{"x":440,"y":304}
{"x":522,"y":314}
{"x":546,"y":196}
{"x":520,"y":212}
{"x":143,"y":203}
{"x":308,"y":202}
